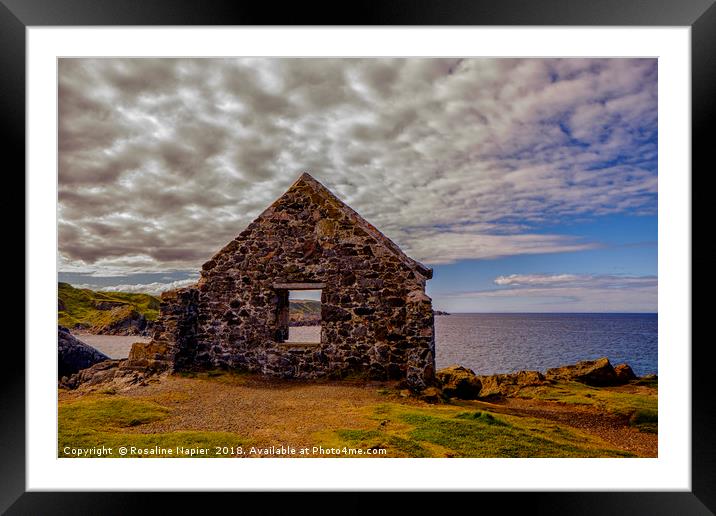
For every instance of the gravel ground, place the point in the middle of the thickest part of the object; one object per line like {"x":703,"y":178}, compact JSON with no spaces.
{"x":271,"y":412}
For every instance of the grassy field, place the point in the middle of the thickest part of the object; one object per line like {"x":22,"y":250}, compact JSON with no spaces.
{"x":90,"y":309}
{"x":219,"y":411}
{"x":638,"y":401}
{"x":450,"y":431}
{"x":108,"y":421}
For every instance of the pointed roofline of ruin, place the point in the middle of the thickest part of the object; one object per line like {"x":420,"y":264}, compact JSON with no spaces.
{"x":351,"y":214}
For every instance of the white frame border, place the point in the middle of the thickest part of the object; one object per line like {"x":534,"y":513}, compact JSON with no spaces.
{"x":672,"y":469}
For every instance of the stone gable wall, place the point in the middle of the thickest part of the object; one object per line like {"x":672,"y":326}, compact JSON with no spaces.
{"x":376,"y":318}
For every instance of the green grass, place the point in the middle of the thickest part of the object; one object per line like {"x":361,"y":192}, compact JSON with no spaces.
{"x":645,"y":420}
{"x":396,"y":445}
{"x":114,"y":422}
{"x":606,"y":399}
{"x":408,"y":431}
{"x":79,"y":307}
{"x":486,"y":417}
{"x":111,"y":413}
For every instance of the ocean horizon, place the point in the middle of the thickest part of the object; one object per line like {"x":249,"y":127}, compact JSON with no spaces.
{"x":504,"y":342}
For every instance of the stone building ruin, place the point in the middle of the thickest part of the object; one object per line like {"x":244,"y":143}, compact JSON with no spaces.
{"x":376,"y":320}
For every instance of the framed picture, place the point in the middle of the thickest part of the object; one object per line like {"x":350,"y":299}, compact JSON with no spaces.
{"x":598,"y":100}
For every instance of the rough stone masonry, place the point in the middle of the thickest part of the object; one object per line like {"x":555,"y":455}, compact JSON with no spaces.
{"x":376,"y":320}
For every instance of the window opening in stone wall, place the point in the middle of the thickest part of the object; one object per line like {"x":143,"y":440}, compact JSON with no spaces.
{"x":304,"y":316}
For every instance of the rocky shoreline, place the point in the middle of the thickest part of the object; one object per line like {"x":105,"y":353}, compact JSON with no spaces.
{"x":74,"y":355}
{"x":462,"y":383}
{"x":134,"y":324}
{"x":80,"y":364}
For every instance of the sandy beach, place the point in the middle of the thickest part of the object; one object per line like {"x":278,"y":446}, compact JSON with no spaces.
{"x":114,"y":346}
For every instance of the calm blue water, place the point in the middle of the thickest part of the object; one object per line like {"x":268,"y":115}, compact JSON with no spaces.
{"x":503,"y":343}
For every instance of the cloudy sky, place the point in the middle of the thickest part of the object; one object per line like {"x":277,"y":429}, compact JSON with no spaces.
{"x":528,"y":185}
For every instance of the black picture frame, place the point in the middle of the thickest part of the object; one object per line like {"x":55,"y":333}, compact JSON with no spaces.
{"x":700,"y":15}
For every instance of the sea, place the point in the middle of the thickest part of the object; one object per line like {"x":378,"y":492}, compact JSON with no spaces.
{"x":114,"y":346}
{"x":505,"y":343}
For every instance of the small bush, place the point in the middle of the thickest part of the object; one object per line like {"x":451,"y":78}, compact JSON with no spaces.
{"x":645,"y":420}
{"x":480,"y":416}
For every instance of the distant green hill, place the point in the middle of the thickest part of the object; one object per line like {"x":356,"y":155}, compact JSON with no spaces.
{"x":304,"y":312}
{"x":105,"y":312}
{"x":305,"y":306}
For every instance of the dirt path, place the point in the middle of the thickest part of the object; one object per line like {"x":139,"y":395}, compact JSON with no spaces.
{"x":613,"y":428}
{"x":272,"y":412}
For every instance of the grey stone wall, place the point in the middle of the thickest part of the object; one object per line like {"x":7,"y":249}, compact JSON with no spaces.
{"x":176,"y":328}
{"x":376,"y":319}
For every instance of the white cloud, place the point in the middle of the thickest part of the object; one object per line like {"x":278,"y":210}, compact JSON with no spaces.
{"x":155,"y":288}
{"x":448,"y":245}
{"x":559,"y":293}
{"x":162,"y":161}
{"x":536,"y":279}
